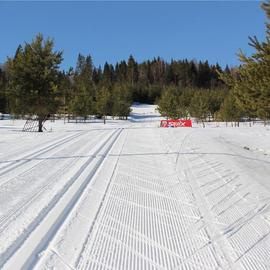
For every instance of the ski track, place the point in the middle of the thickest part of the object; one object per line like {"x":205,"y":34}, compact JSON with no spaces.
{"x":138,"y":197}
{"x":25,"y":256}
{"x":33,"y":160}
{"x":24,"y":177}
{"x":21,"y":158}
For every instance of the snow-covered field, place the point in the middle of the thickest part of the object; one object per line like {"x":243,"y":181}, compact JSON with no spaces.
{"x":130,"y":195}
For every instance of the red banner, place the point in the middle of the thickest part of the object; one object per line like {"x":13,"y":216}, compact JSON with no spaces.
{"x":176,"y":123}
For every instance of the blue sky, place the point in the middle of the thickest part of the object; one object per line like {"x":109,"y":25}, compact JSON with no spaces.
{"x":111,"y":31}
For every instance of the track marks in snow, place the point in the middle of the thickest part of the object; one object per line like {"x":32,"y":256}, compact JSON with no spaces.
{"x":239,"y":210}
{"x":145,"y":222}
{"x":33,"y":192}
{"x":53,"y":216}
{"x":15,"y":164}
{"x":152,"y":199}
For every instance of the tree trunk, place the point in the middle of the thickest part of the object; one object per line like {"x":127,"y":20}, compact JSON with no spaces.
{"x":203,"y":124}
{"x":40,"y":120}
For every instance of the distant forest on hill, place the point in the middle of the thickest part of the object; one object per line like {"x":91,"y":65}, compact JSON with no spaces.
{"x":145,"y":80}
{"x":31,"y":83}
{"x":78,"y":88}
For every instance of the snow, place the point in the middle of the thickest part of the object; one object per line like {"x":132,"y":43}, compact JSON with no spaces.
{"x":131,"y":195}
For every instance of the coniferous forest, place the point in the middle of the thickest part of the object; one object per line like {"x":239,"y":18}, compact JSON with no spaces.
{"x":31,"y":83}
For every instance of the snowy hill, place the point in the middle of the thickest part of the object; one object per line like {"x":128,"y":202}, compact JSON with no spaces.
{"x":144,"y":113}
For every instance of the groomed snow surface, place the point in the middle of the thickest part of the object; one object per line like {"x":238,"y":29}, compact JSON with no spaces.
{"x":130,"y":195}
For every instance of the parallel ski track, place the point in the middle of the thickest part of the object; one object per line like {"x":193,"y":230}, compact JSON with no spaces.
{"x":18,"y":163}
{"x":38,"y":160}
{"x":11,"y":215}
{"x":20,"y":245}
{"x":140,"y":245}
{"x":20,"y":150}
{"x":80,"y":264}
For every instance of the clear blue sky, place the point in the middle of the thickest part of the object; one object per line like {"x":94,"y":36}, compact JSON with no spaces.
{"x":111,"y":31}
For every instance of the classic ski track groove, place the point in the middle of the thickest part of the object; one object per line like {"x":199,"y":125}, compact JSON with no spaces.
{"x":38,"y":161}
{"x":20,"y":151}
{"x":9,"y":216}
{"x":20,"y":247}
{"x":102,"y":204}
{"x":9,"y":167}
{"x":5,"y":256}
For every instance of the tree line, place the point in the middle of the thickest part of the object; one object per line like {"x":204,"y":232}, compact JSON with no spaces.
{"x":31,"y":82}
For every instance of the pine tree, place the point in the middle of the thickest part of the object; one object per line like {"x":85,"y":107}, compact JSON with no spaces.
{"x":108,"y":75}
{"x":229,"y":111}
{"x":64,"y":91}
{"x":168,"y":104}
{"x":3,"y":84}
{"x":34,"y":78}
{"x":132,"y":71}
{"x":121,"y":101}
{"x":251,"y":85}
{"x":97,"y":75}
{"x":121,"y":72}
{"x":80,"y":64}
{"x":199,"y":105}
{"x":82,"y":102}
{"x":184,"y":101}
{"x":103,"y":103}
